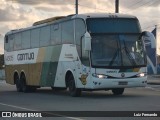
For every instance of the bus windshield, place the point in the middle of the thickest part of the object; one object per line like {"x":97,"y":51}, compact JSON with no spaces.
{"x":113,"y":25}
{"x":116,"y":45}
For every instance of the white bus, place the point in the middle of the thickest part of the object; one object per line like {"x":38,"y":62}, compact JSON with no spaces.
{"x":79,"y":52}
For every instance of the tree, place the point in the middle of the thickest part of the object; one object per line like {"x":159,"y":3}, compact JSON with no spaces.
{"x":1,"y":61}
{"x":158,"y":59}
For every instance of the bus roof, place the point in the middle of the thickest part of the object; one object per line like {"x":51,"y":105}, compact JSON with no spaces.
{"x":103,"y":15}
{"x":63,"y":18}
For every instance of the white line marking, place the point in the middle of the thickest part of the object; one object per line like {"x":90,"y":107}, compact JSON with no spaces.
{"x":13,"y":106}
{"x":17,"y":107}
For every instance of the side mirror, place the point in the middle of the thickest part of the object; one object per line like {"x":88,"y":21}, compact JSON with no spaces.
{"x":87,"y":42}
{"x":149,"y":39}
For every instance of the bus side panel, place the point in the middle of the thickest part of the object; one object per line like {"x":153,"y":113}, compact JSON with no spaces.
{"x":49,"y":67}
{"x":34,"y":74}
{"x":48,"y":73}
{"x":9,"y":74}
{"x":45,"y":66}
{"x":11,"y":69}
{"x":68,"y":61}
{"x":42,"y":72}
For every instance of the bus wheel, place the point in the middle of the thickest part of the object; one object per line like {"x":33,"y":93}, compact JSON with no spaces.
{"x":118,"y":91}
{"x":18,"y":84}
{"x":25,"y":88}
{"x":74,"y":92}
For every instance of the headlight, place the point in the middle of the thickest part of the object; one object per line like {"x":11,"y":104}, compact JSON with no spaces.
{"x":99,"y":76}
{"x":141,"y":75}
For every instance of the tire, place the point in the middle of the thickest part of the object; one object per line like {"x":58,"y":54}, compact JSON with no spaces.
{"x":18,"y":84}
{"x":118,"y":91}
{"x":25,"y":87}
{"x":73,"y":91}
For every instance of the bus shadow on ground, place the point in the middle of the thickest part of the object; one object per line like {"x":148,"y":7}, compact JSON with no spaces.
{"x":87,"y":94}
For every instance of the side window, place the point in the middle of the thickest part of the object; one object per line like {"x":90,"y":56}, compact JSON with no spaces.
{"x":17,"y":41}
{"x":56,"y":34}
{"x":35,"y":33}
{"x":6,"y":43}
{"x":68,"y":32}
{"x":45,"y":36}
{"x":26,"y":41}
{"x":80,"y":29}
{"x":11,"y":42}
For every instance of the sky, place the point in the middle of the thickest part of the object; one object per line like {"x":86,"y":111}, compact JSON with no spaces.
{"x":16,"y":14}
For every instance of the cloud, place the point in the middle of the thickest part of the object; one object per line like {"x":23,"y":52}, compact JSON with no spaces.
{"x":55,"y":8}
{"x":83,"y":4}
{"x":37,"y":2}
{"x":27,"y":2}
{"x":135,"y":4}
{"x":8,"y":13}
{"x":14,"y":12}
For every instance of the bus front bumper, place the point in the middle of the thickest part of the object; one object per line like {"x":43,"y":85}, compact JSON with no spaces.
{"x":97,"y":83}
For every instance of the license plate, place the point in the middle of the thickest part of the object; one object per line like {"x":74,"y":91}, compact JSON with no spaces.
{"x":122,"y":83}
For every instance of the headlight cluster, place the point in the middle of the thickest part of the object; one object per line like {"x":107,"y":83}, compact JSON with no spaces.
{"x":141,"y":75}
{"x":99,"y":76}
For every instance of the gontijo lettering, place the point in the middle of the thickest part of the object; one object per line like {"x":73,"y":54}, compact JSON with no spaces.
{"x":25,"y":56}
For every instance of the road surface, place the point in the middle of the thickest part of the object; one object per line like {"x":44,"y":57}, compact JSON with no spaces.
{"x":133,"y":99}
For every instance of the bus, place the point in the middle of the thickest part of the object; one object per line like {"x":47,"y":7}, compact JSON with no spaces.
{"x":77,"y":53}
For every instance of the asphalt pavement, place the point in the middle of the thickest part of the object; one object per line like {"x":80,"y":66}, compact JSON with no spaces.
{"x":134,"y":99}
